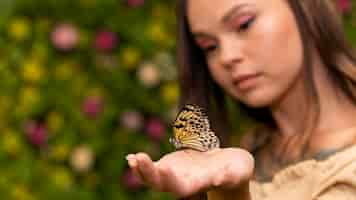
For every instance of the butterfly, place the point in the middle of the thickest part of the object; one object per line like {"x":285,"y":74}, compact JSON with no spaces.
{"x":191,"y":129}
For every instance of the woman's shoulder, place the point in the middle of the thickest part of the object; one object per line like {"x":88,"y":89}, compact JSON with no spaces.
{"x":336,"y":142}
{"x":332,"y":178}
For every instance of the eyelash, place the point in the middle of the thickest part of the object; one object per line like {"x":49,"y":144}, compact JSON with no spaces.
{"x":243,"y":27}
{"x":209,"y":49}
{"x":246,"y":25}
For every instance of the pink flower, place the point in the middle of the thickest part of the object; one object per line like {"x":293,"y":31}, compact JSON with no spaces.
{"x":155,"y":129}
{"x":36,"y":133}
{"x":65,"y":37}
{"x":345,"y":5}
{"x":92,"y":106}
{"x":131,"y":181}
{"x":131,"y":120}
{"x":105,"y":41}
{"x":135,"y":3}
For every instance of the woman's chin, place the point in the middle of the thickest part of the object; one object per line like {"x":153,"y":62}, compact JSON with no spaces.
{"x":257,"y":101}
{"x":257,"y":98}
{"x":256,"y":104}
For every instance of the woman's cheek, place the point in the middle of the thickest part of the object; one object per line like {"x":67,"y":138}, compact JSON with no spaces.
{"x":218,"y":74}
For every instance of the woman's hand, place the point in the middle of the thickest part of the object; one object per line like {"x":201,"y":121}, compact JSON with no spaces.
{"x":187,"y":172}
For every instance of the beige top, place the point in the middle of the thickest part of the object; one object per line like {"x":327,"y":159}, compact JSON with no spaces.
{"x":330,"y":179}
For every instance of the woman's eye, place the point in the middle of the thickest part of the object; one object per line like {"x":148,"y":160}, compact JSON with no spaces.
{"x":246,"y":25}
{"x":209,"y":49}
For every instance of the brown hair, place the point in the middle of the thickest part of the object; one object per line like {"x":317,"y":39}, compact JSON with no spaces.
{"x":320,"y":27}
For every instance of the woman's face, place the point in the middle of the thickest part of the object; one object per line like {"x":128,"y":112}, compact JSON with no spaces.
{"x":253,"y":47}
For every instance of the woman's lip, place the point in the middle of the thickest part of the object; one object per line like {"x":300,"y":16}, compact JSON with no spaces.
{"x":246,"y":81}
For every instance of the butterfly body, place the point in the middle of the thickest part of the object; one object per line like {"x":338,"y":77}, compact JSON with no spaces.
{"x":192,"y":130}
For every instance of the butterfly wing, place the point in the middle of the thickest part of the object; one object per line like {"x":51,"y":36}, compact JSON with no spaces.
{"x":192,"y":130}
{"x":184,"y":137}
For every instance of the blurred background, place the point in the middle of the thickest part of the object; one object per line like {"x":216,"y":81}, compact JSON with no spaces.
{"x":84,"y":83}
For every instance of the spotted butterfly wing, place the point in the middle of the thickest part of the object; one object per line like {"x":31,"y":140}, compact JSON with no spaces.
{"x":192,"y":130}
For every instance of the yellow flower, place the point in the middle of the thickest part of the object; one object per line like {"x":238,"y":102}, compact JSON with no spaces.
{"x":29,"y":96}
{"x":19,"y":29}
{"x":157,"y":33}
{"x":54,"y":122}
{"x":62,"y":178}
{"x":29,"y":99}
{"x":60,"y":152}
{"x":33,"y":71}
{"x":11,"y":143}
{"x":21,"y":192}
{"x":130,"y":57}
{"x":170,"y":93}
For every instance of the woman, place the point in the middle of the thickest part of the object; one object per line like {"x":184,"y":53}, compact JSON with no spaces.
{"x":288,"y":65}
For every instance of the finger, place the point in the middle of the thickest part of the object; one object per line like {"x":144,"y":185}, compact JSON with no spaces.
{"x":132,"y":161}
{"x":148,"y":171}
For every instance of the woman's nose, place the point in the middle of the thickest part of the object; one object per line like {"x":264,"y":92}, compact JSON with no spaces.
{"x":230,"y":53}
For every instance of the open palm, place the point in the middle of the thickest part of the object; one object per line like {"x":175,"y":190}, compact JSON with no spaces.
{"x":187,"y":172}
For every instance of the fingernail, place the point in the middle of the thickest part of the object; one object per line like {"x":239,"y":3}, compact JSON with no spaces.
{"x":130,"y":157}
{"x":132,"y":162}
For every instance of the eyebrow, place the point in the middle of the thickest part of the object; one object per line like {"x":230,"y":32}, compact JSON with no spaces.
{"x":232,"y":11}
{"x":224,"y":19}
